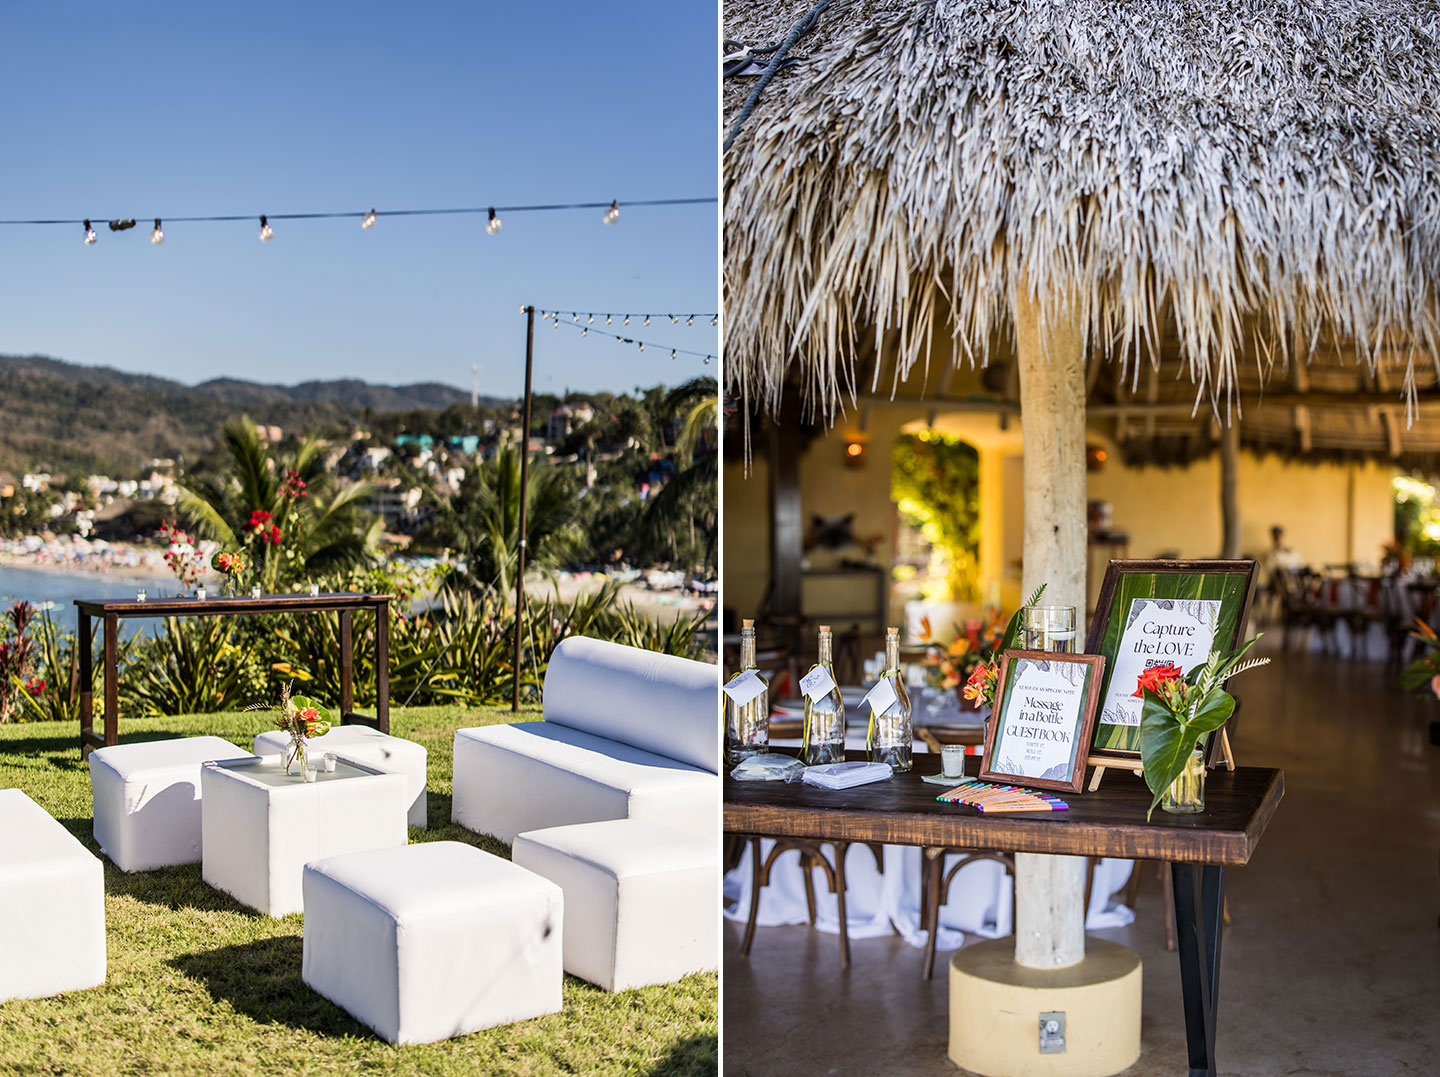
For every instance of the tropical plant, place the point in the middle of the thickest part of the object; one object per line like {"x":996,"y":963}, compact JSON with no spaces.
{"x":936,"y":483}
{"x":1180,"y":709}
{"x":192,"y":666}
{"x":57,"y":673}
{"x":484,"y":520}
{"x":285,"y":515}
{"x":299,"y":716}
{"x":689,"y":501}
{"x":17,"y":662}
{"x":985,"y":676}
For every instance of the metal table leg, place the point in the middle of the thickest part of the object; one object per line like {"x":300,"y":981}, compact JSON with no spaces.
{"x":1199,"y":897}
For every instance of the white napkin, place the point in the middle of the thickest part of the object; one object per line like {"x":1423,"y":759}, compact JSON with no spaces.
{"x":846,"y":775}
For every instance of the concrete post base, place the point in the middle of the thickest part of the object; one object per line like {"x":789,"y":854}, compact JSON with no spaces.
{"x":995,"y":1008}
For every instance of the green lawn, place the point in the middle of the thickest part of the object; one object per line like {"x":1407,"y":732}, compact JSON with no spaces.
{"x":198,"y":983}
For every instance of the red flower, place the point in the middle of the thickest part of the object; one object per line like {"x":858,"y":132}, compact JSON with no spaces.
{"x":273,"y":536}
{"x":258,"y":519}
{"x":1155,"y":677}
{"x":35,"y":686}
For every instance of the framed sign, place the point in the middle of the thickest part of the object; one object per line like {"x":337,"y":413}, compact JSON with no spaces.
{"x":1154,"y":613}
{"x":1040,"y":731}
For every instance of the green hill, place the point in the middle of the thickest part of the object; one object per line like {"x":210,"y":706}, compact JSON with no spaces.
{"x":66,"y":418}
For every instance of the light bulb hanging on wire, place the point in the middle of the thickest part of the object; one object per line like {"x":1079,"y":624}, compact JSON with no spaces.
{"x":647,"y":319}
{"x":266,"y":232}
{"x":369,"y":221}
{"x":89,"y":235}
{"x":612,"y":214}
{"x":157,"y":237}
{"x":493,"y":225}
{"x":690,"y":320}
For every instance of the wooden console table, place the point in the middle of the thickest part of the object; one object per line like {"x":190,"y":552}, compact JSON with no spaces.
{"x":1108,"y":822}
{"x":110,"y":612}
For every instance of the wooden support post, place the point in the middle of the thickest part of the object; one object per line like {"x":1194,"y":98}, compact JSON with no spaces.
{"x":1050,"y":354}
{"x":112,"y":679}
{"x":1229,"y":505}
{"x":382,"y":667}
{"x":86,"y":648}
{"x":347,"y":665}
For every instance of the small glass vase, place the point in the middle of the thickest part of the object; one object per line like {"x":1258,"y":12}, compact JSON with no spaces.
{"x":297,"y":755}
{"x":1186,"y":795}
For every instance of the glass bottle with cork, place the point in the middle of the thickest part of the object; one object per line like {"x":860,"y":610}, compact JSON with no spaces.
{"x":823,"y":738}
{"x":747,"y":704}
{"x":891,"y":738}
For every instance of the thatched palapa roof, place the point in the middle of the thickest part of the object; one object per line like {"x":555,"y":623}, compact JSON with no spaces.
{"x":1263,"y":176}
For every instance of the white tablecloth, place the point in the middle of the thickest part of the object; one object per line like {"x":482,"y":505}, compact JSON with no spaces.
{"x":980,"y":901}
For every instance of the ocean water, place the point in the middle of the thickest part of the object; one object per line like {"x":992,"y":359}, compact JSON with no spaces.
{"x":38,"y":586}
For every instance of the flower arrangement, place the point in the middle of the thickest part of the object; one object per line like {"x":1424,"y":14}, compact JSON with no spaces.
{"x":1181,"y":708}
{"x":301,"y":717}
{"x":981,"y":683}
{"x":1423,"y":674}
{"x":949,"y":666}
{"x":230,"y":566}
{"x":182,"y":555}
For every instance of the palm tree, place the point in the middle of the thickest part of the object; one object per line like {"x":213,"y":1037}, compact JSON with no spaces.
{"x":485,"y":520}
{"x":287,"y":515}
{"x":690,"y":499}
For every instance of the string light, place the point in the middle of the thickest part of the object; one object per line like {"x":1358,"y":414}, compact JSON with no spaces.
{"x":645,"y":317}
{"x":266,"y":232}
{"x":157,"y":237}
{"x":626,"y":321}
{"x":493,"y":225}
{"x":613,"y":213}
{"x":369,"y":221}
{"x":639,"y":344}
{"x":89,"y":235}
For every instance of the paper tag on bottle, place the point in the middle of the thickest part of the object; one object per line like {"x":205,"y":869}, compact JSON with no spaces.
{"x":880,"y":698}
{"x":817,"y":684}
{"x":745,"y":687}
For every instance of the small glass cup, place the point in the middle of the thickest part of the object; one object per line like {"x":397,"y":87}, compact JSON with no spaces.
{"x":952,"y":760}
{"x":329,"y":760}
{"x":310,"y":774}
{"x":1048,"y":628}
{"x":200,"y":593}
{"x":314,"y":590}
{"x":255,"y":591}
{"x":140,"y":594}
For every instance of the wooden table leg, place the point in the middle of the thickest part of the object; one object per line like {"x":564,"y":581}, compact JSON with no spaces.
{"x":347,"y":666}
{"x":112,"y":679}
{"x":932,"y":862}
{"x":86,"y":679}
{"x":841,"y":848}
{"x":382,"y":667}
{"x":756,"y":882}
{"x":1199,"y":895}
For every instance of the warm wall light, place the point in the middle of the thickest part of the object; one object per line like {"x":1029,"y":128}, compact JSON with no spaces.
{"x":1095,"y":457}
{"x":854,"y":453}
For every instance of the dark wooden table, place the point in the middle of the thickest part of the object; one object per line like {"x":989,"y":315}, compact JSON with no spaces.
{"x":1108,"y":822}
{"x":110,"y":612}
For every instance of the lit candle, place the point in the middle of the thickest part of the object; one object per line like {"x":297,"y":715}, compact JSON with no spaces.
{"x":140,"y":594}
{"x":200,"y":592}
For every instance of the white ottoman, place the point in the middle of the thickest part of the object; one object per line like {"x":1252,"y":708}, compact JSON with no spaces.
{"x":639,"y":898}
{"x":432,"y":940}
{"x":52,"y":905}
{"x":146,"y":799}
{"x":392,"y":755}
{"x":262,"y":826}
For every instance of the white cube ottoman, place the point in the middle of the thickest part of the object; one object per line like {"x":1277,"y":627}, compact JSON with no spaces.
{"x":262,"y":826}
{"x":52,"y":905}
{"x":146,"y":799}
{"x":639,"y":898}
{"x":432,"y":940}
{"x":392,"y":755}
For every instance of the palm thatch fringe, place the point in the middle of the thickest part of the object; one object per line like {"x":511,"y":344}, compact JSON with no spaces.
{"x":1264,"y":172}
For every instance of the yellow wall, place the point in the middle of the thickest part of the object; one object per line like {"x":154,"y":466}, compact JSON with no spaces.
{"x":1332,"y":513}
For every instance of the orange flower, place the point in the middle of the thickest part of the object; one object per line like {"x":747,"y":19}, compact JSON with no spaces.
{"x":1156,"y":677}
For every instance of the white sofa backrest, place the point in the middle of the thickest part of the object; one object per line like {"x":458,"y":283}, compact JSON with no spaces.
{"x":658,"y":702}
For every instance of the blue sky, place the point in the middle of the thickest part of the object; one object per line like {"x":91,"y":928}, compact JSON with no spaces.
{"x":147,"y":110}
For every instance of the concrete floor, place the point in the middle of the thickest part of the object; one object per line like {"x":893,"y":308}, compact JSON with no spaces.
{"x":1332,"y":965}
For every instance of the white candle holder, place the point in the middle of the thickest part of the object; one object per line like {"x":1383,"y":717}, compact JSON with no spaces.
{"x":140,"y":594}
{"x":201,"y":593}
{"x":329,"y":761}
{"x":310,"y":773}
{"x":314,"y":590}
{"x":255,"y":591}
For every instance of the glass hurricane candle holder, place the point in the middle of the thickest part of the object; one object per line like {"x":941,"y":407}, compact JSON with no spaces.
{"x":140,"y":594}
{"x":1048,"y":628}
{"x":314,"y":590}
{"x":255,"y":591}
{"x":200,"y":593}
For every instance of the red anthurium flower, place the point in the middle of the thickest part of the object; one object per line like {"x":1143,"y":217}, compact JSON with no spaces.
{"x":1155,"y":677}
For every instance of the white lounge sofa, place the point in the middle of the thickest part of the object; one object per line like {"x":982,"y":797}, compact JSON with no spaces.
{"x":627,"y":733}
{"x":52,"y":905}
